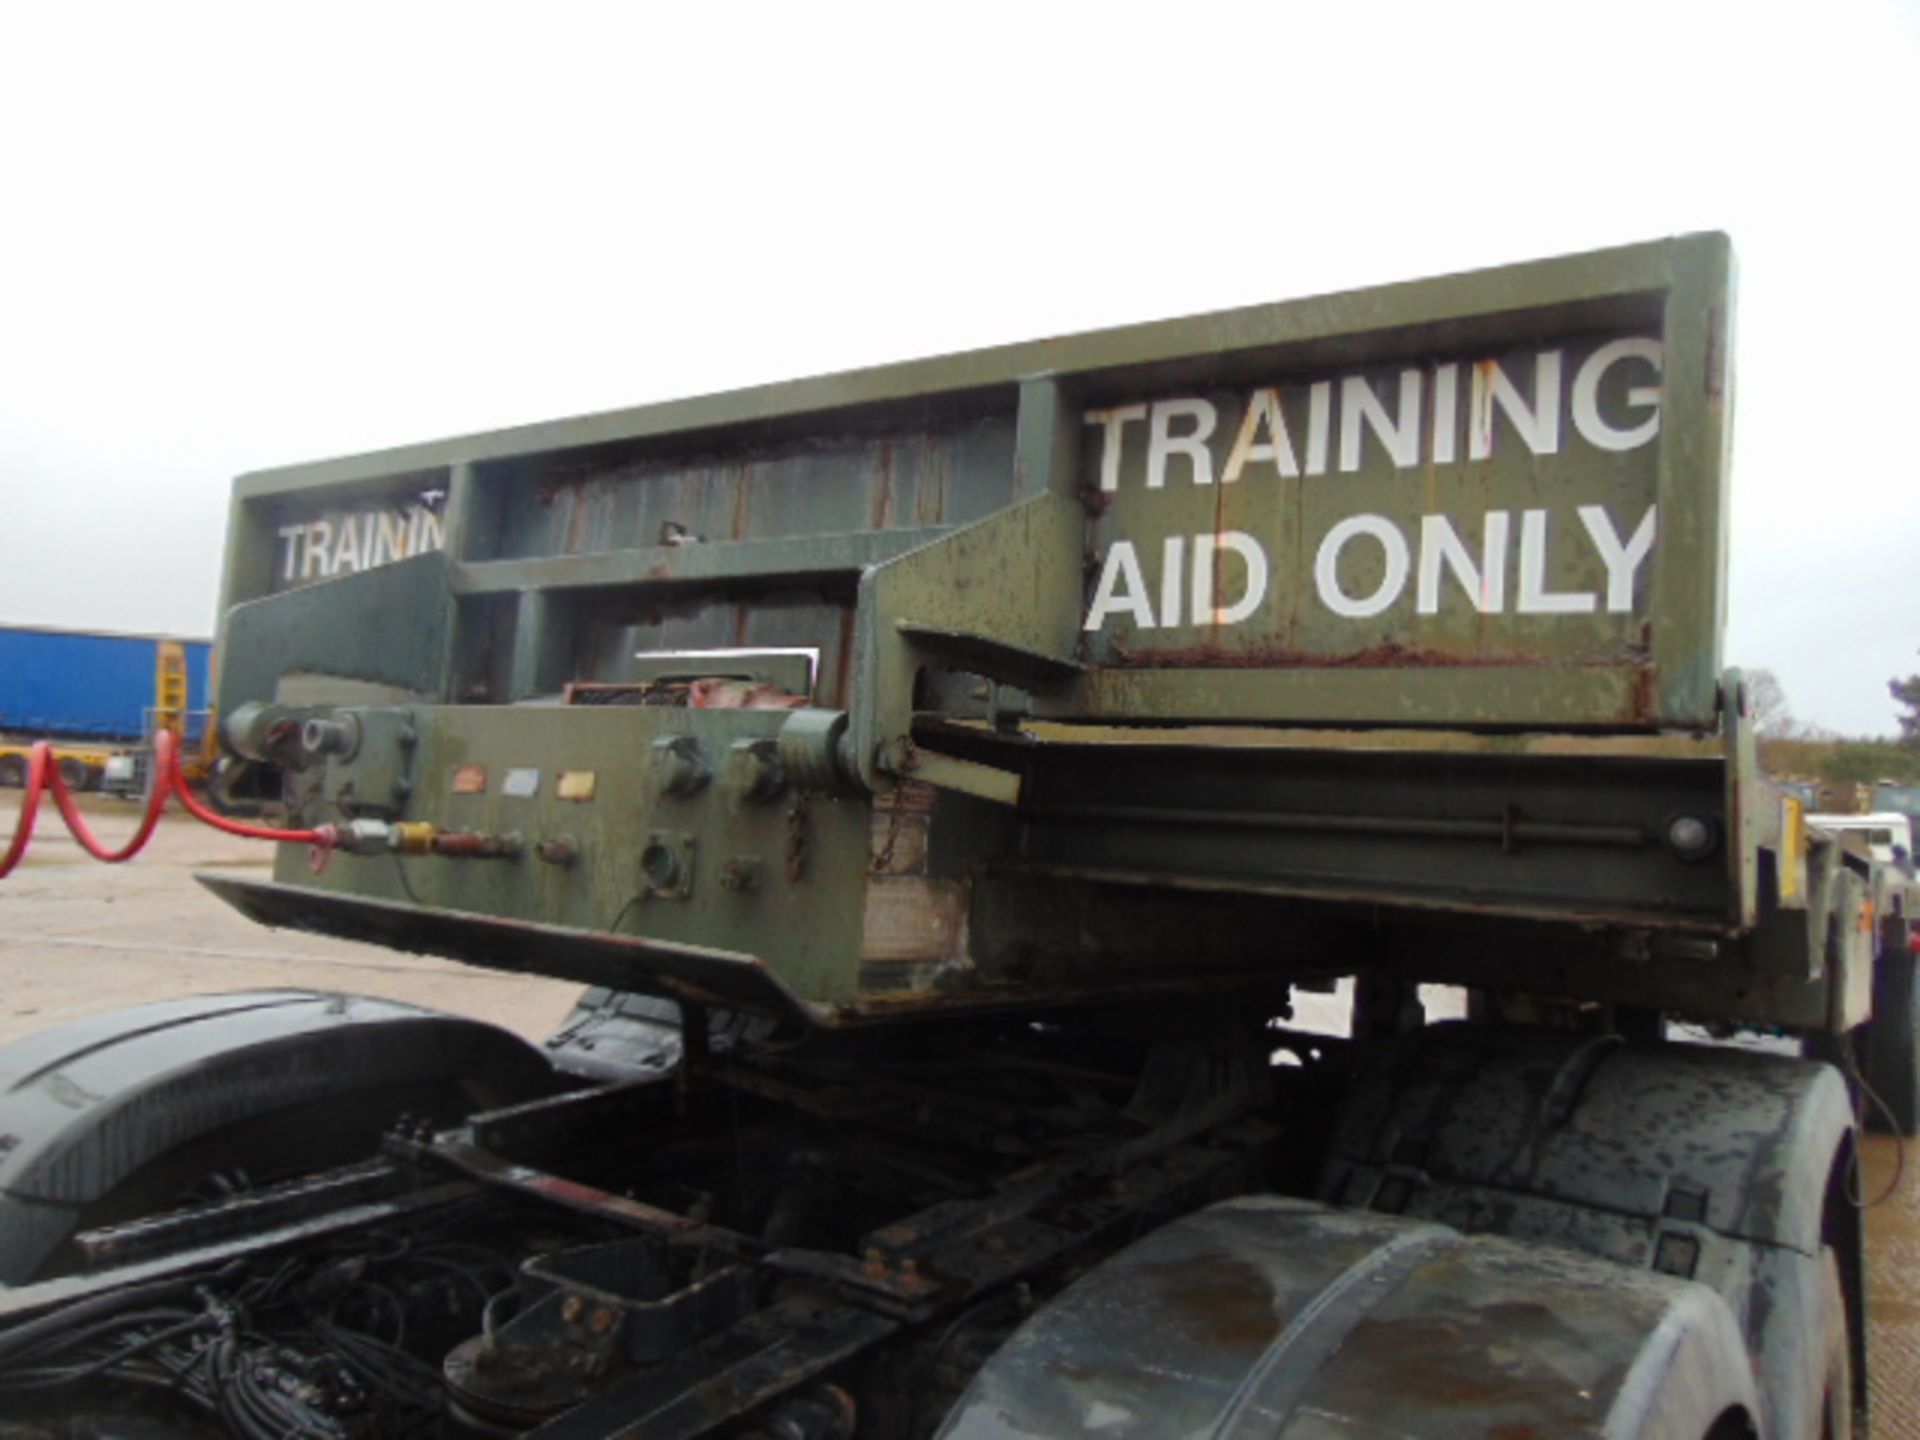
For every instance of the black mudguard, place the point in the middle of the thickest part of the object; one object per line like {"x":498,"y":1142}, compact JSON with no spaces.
{"x":1280,"y":1318}
{"x":1702,"y":1162}
{"x":129,"y":1112}
{"x":1893,"y":1041}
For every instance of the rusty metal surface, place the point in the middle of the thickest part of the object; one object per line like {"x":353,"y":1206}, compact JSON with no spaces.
{"x":23,"y":1302}
{"x":1120,"y":738}
{"x":824,"y":484}
{"x":1265,"y":1316}
{"x":1512,"y":833}
{"x":241,"y":1214}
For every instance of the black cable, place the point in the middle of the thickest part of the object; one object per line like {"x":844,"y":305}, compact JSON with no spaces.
{"x":346,"y":1311}
{"x":56,"y":1345}
{"x":406,"y":884}
{"x":416,"y":1392}
{"x":615,"y":926}
{"x":74,"y":1375}
{"x":1856,"y":1196}
{"x":64,"y":1319}
{"x":462,"y":1273}
{"x":393,"y":1303}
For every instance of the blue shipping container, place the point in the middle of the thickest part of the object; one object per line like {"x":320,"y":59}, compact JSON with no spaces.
{"x":83,"y":685}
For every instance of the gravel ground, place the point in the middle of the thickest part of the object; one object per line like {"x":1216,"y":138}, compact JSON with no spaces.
{"x":77,"y":938}
{"x":1893,"y":1294}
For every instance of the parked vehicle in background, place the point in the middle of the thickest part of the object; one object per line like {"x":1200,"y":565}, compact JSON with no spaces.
{"x":1885,"y":834}
{"x":1879,"y":847}
{"x":98,"y":697}
{"x":1897,"y":798}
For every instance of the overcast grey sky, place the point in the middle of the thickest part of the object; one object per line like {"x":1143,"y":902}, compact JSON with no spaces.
{"x":240,"y":236}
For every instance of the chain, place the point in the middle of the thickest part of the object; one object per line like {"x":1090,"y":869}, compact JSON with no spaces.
{"x":797,"y":838}
{"x":884,"y":860}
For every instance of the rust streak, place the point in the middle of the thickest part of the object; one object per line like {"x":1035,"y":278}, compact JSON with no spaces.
{"x":843,"y":663}
{"x":740,"y":501}
{"x":880,"y":496}
{"x":1378,"y":657}
{"x":1213,"y":595}
{"x":577,"y":1196}
{"x":575,"y":540}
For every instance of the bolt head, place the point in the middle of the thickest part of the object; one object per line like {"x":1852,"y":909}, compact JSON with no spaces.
{"x":1691,"y":837}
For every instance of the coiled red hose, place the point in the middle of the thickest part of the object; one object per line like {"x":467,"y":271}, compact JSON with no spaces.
{"x":44,"y":775}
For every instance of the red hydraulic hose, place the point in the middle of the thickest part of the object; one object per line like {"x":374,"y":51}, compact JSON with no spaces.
{"x":38,"y":760}
{"x":163,"y":758}
{"x":194,"y":806}
{"x":43,"y":774}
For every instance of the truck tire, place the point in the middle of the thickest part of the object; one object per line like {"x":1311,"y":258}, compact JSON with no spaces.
{"x":1700,"y":1162}
{"x":1892,"y":1037}
{"x":13,"y":771}
{"x":74,"y":773}
{"x":1275,"y":1317}
{"x":133,"y":1112}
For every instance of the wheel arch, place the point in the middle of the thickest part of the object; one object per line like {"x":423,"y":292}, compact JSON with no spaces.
{"x":91,"y":1113}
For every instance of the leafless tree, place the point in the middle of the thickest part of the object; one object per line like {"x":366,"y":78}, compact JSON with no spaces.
{"x":1906,"y":693}
{"x":1767,"y":704}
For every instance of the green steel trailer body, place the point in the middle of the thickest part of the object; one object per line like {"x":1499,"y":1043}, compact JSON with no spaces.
{"x":949,"y":775}
{"x":1123,"y":660}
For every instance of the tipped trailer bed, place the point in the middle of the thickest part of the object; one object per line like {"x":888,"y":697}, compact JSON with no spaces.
{"x":947,"y":775}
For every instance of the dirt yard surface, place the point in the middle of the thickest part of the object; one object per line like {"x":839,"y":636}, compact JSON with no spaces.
{"x":77,"y":938}
{"x":1893,"y":1288}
